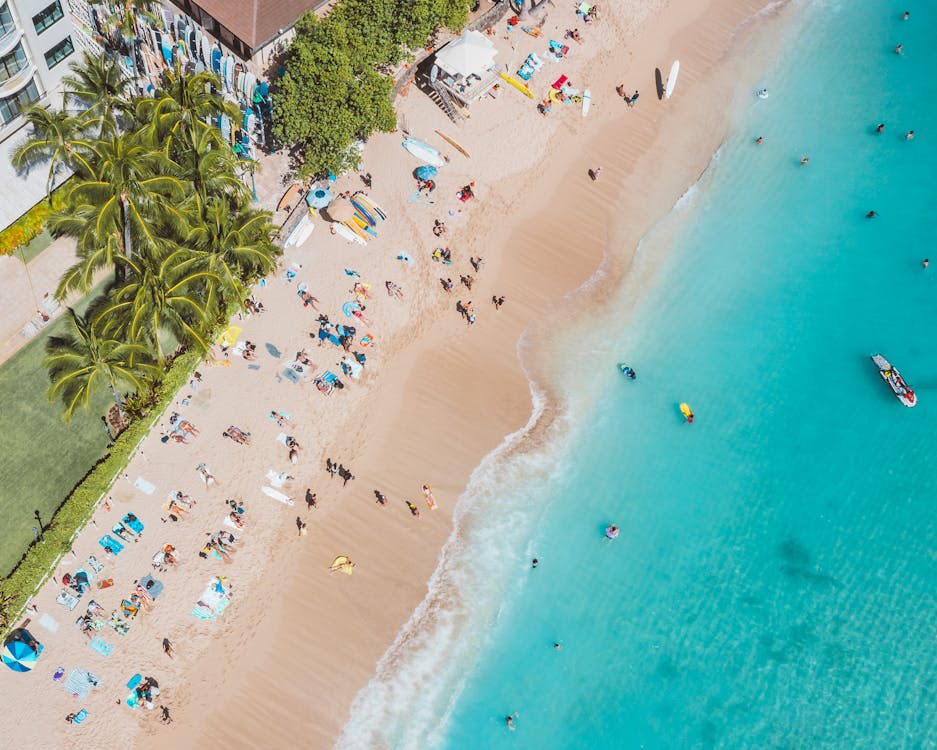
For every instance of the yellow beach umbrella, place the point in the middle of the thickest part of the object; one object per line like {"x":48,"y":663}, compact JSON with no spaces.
{"x":342,"y":564}
{"x":230,"y":336}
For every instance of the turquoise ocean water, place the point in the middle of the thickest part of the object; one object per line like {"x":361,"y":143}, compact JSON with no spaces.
{"x":774,"y":582}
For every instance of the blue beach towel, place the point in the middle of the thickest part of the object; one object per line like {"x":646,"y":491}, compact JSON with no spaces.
{"x":136,"y":526}
{"x":291,"y":375}
{"x":109,"y":542}
{"x":101,"y":646}
{"x":202,"y":614}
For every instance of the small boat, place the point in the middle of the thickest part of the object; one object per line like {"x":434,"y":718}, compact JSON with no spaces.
{"x":897,"y":384}
{"x":687,"y":412}
{"x":626,"y":370}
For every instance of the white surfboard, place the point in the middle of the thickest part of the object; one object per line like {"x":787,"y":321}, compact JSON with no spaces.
{"x":586,"y":101}
{"x":672,"y":78}
{"x":342,"y":231}
{"x":277,"y":495}
{"x":300,"y":233}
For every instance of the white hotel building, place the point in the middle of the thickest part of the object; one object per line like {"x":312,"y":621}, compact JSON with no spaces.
{"x":38,"y":40}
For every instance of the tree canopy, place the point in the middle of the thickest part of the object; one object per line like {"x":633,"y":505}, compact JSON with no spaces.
{"x":335,"y":88}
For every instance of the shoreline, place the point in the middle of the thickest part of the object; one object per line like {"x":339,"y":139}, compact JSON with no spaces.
{"x":246,"y":685}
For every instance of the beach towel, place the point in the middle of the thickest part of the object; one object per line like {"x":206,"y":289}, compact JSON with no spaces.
{"x":202,"y":613}
{"x":153,"y":587}
{"x":109,"y":542}
{"x":148,"y":488}
{"x":290,"y":375}
{"x":93,"y":563}
{"x":67,"y":600}
{"x":276,"y":478}
{"x":118,"y":530}
{"x":228,"y":522}
{"x":49,"y":623}
{"x":79,"y":683}
{"x":253,"y":367}
{"x":135,"y":525}
{"x":101,"y":646}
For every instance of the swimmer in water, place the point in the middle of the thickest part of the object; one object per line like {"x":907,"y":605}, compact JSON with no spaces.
{"x":871,"y":215}
{"x":880,"y":128}
{"x":899,"y":50}
{"x":762,"y":93}
{"x":925,"y":263}
{"x":509,"y":720}
{"x":909,"y":136}
{"x":905,"y":16}
{"x":803,"y":160}
{"x":760,"y":139}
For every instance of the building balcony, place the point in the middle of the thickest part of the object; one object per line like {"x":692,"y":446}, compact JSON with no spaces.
{"x":14,"y":83}
{"x":8,"y":41}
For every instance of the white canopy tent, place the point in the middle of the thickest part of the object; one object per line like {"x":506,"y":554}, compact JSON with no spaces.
{"x":471,"y":54}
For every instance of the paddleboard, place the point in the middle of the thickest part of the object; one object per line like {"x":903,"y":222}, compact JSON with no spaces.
{"x":289,"y":196}
{"x":216,"y":59}
{"x":518,"y":85}
{"x":686,"y":411}
{"x":672,"y":78}
{"x":586,"y":101}
{"x":424,"y":152}
{"x":454,"y":145}
{"x":166,"y":49}
{"x":358,"y":231}
{"x":342,"y":231}
{"x":206,"y":50}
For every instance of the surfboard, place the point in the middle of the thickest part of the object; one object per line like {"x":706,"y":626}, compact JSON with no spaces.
{"x":300,"y":232}
{"x":206,"y":50}
{"x":250,"y":80}
{"x":672,"y":78}
{"x":289,"y":196}
{"x":518,"y":85}
{"x":277,"y":495}
{"x":166,"y":49}
{"x":423,"y":151}
{"x":454,"y":145}
{"x":353,"y":227}
{"x":216,"y":59}
{"x":342,"y":231}
{"x":364,"y":212}
{"x":586,"y":101}
{"x":369,"y":203}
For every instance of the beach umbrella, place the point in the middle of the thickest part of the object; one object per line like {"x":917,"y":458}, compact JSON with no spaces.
{"x":341,"y":211}
{"x":426,"y":172}
{"x":318,"y":198}
{"x":18,"y":656}
{"x":230,"y":336}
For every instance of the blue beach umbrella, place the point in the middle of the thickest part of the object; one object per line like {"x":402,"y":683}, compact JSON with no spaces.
{"x":318,"y":198}
{"x":426,"y":172}
{"x":18,"y":656}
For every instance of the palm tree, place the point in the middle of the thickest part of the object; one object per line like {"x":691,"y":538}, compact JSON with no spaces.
{"x":210,"y":167}
{"x":162,"y":294}
{"x":99,"y":85}
{"x":56,"y":137}
{"x":132,"y":193}
{"x":84,"y":359}
{"x":238,"y":245}
{"x":186,"y":102}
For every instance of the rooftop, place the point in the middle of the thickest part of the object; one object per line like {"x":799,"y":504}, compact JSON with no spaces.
{"x":256,"y":21}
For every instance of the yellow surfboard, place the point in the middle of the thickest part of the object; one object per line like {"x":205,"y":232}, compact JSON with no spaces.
{"x":518,"y":85}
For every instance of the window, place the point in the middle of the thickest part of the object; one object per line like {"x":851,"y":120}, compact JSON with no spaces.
{"x":12,"y":63}
{"x":11,"y":107}
{"x":6,"y":20}
{"x":47,"y":16}
{"x":59,"y":52}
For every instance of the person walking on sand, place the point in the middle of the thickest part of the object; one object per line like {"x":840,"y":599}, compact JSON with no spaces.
{"x":477,"y":263}
{"x":594,"y":173}
{"x":167,"y":647}
{"x":497,"y":301}
{"x":633,"y":99}
{"x":620,"y":90}
{"x":310,"y":499}
{"x":381,"y":497}
{"x":414,"y":511}
{"x":167,"y":719}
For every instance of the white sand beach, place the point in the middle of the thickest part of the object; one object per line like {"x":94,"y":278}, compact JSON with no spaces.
{"x":282,"y":664}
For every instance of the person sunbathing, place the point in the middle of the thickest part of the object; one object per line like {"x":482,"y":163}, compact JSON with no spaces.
{"x":186,"y":426}
{"x":177,"y":509}
{"x":139,"y":601}
{"x":233,"y":515}
{"x":181,"y":497}
{"x":280,"y":418}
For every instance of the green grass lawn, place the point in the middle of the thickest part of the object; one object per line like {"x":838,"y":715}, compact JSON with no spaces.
{"x":41,"y":457}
